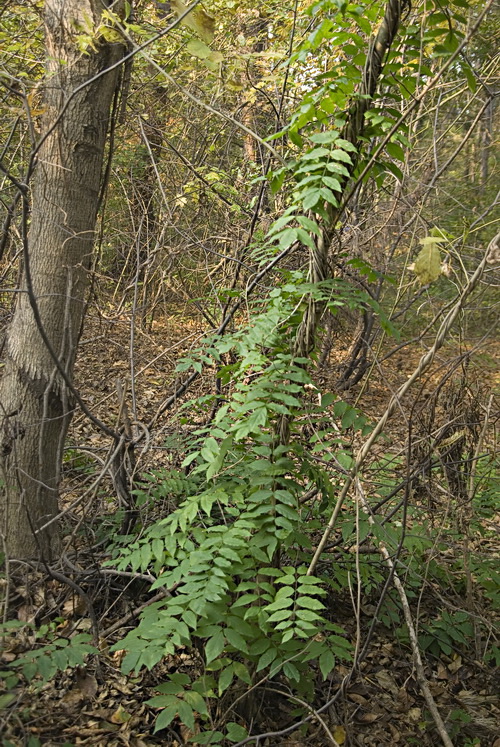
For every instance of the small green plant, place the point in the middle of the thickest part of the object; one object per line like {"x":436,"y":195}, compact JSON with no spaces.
{"x":75,"y":460}
{"x":457,"y":719}
{"x":448,"y":633}
{"x":41,"y":663}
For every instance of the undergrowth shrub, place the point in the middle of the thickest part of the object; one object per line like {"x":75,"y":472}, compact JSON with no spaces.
{"x":232,"y":555}
{"x":41,"y":654}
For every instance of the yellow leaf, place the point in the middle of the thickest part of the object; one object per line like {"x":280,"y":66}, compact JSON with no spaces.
{"x":197,"y":20}
{"x":427,"y":265}
{"x":339,"y":734}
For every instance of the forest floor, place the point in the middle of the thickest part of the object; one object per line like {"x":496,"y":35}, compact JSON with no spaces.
{"x":98,"y":705}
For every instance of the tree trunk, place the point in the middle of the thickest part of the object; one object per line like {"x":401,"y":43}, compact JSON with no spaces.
{"x":254,"y":28}
{"x":35,"y":405}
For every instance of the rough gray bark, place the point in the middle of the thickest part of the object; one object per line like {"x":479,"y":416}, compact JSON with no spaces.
{"x":35,"y":405}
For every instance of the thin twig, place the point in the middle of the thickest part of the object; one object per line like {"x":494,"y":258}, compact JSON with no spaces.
{"x":7,"y":580}
{"x":163,"y":594}
{"x":419,"y":667}
{"x":424,"y":363}
{"x":311,"y":710}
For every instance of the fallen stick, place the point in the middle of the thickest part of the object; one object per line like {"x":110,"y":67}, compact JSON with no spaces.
{"x":419,"y":667}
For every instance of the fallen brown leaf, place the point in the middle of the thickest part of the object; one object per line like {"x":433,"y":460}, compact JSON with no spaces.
{"x":442,"y":672}
{"x":356,"y":698}
{"x":437,"y":688}
{"x":26,"y":613}
{"x":293,"y":742}
{"x":72,"y":697}
{"x":455,"y":665}
{"x":123,"y":687}
{"x":367,"y":718}
{"x":74,"y":606}
{"x":387,"y":681}
{"x":86,"y":683}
